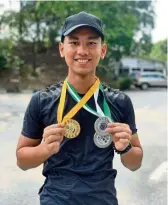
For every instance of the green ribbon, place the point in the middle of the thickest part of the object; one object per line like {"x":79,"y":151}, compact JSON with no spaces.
{"x":98,"y":112}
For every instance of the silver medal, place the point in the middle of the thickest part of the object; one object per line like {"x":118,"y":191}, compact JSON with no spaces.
{"x":100,"y":125}
{"x":102,"y":141}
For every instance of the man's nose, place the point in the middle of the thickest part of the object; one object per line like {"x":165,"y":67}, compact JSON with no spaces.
{"x":82,"y":50}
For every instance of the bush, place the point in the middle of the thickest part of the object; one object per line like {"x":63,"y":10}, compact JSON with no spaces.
{"x":124,"y":83}
{"x":113,"y":84}
{"x":3,"y":62}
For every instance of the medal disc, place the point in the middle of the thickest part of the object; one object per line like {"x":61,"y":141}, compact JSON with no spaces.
{"x":102,"y":141}
{"x":100,"y":125}
{"x":72,"y":128}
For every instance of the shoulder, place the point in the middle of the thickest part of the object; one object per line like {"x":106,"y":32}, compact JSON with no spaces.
{"x":51,"y":91}
{"x":116,"y":96}
{"x":120,"y":103}
{"x":45,"y":98}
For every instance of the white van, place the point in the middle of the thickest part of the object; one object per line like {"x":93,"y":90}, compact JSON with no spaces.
{"x":144,"y":80}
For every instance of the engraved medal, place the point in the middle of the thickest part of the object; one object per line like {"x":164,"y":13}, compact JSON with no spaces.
{"x":102,"y":141}
{"x":72,"y":128}
{"x":100,"y":125}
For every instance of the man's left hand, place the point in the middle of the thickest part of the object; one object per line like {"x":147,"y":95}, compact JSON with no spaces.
{"x":121,"y":134}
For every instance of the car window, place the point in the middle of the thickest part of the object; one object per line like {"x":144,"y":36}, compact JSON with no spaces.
{"x":159,"y":76}
{"x":155,"y":76}
{"x":145,"y":76}
{"x":149,"y":75}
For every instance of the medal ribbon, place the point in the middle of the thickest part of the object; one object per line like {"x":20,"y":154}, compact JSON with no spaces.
{"x":79,"y":104}
{"x":98,"y":112}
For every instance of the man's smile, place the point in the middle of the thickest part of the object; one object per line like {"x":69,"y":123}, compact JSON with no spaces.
{"x":81,"y":60}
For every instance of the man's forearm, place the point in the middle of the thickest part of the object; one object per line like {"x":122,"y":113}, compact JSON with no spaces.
{"x":133,"y":158}
{"x":31,"y":157}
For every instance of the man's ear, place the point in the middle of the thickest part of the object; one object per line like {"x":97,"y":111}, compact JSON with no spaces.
{"x":61,"y":49}
{"x":103,"y":51}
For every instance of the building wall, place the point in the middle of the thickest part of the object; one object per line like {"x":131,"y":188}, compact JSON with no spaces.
{"x":134,"y":64}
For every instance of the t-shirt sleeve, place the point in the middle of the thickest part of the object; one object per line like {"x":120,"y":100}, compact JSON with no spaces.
{"x":32,"y":126}
{"x":129,"y":115}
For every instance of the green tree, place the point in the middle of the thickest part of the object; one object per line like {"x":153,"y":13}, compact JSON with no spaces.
{"x":39,"y":22}
{"x":159,"y":51}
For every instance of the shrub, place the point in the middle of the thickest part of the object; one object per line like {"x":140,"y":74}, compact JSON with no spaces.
{"x":124,"y":83}
{"x":113,"y":84}
{"x":3,"y":62}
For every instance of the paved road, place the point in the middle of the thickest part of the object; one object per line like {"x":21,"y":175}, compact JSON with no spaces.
{"x":146,"y":186}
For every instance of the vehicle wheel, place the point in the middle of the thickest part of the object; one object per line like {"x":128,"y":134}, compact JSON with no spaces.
{"x":144,"y":86}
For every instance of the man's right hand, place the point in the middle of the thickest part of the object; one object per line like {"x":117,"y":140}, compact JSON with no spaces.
{"x":53,"y":136}
{"x":31,"y":153}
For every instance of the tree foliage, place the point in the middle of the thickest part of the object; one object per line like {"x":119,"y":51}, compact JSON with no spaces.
{"x":159,"y":51}
{"x":39,"y":22}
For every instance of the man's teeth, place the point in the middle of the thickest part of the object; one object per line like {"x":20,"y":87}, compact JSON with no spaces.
{"x":82,"y":60}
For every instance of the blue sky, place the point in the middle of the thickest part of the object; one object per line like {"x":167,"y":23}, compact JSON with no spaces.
{"x":161,"y":26}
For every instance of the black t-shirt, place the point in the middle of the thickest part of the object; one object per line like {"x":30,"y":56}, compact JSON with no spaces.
{"x":80,"y":173}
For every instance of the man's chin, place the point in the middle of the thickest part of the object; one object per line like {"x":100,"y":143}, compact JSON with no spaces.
{"x":83,"y":73}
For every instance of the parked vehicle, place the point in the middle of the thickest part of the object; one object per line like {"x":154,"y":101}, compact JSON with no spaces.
{"x":144,"y":80}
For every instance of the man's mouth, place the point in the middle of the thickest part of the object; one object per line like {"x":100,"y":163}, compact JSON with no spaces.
{"x":82,"y":60}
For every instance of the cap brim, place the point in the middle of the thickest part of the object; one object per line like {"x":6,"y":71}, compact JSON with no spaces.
{"x":81,"y":25}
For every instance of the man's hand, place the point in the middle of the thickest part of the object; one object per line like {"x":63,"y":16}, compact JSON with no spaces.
{"x":121,"y":134}
{"x":53,"y":136}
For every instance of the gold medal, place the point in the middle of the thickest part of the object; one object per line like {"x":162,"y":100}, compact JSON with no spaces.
{"x":72,"y":128}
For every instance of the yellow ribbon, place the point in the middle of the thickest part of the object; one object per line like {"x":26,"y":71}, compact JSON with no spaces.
{"x":78,"y":106}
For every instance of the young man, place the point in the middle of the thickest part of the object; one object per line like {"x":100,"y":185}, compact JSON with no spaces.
{"x":75,"y":128}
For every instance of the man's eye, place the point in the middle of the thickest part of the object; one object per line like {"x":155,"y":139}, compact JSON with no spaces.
{"x":92,"y":43}
{"x":74,"y":42}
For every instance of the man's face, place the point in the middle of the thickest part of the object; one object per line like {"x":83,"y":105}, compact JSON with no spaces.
{"x":82,"y":50}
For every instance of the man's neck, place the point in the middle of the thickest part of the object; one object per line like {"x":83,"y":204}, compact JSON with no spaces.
{"x":81,"y":83}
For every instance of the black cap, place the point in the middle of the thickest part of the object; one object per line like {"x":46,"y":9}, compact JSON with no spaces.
{"x":79,"y":20}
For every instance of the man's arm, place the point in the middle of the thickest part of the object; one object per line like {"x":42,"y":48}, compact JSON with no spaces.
{"x":133,"y":158}
{"x":122,"y":136}
{"x":30,"y":153}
